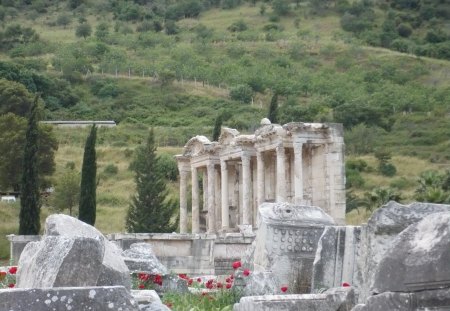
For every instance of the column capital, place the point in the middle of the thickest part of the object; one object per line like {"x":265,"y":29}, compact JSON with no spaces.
{"x":280,"y":150}
{"x":298,"y":145}
{"x":245,"y":158}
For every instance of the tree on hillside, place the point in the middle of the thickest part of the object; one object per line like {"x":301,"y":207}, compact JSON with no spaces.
{"x":150,"y":210}
{"x":12,"y":142}
{"x":15,"y":98}
{"x":88,"y":187}
{"x":217,"y":128}
{"x":30,"y":205}
{"x":273,"y":109}
{"x":83,"y":30}
{"x":67,"y":191}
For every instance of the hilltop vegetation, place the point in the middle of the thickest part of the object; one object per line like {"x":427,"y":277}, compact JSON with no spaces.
{"x":380,"y":68}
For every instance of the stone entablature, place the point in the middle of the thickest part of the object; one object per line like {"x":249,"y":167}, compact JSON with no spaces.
{"x":300,"y":163}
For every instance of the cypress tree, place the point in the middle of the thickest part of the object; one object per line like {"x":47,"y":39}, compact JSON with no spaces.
{"x":217,"y":127}
{"x":273,"y":109}
{"x":87,"y":208}
{"x":30,"y":205}
{"x":150,"y":210}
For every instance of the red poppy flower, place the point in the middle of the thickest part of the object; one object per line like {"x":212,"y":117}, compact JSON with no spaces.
{"x":284,"y":289}
{"x":219,"y":285}
{"x":228,"y":280}
{"x":246,"y":272}
{"x":144,"y":276}
{"x":199,"y":280}
{"x":345,"y":284}
{"x":13,"y":270}
{"x":11,"y":285}
{"x":236,"y":265}
{"x":231,"y":276}
{"x":157,"y":279}
{"x":141,"y":286}
{"x":190,"y":281}
{"x":182,"y":276}
{"x":228,"y":286}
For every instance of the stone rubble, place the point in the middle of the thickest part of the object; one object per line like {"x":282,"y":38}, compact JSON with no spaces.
{"x":141,"y":258}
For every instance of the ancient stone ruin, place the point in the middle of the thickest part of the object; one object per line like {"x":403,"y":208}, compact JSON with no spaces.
{"x":274,"y":200}
{"x":299,"y":163}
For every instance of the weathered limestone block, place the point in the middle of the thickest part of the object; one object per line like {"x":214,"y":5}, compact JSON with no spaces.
{"x":148,"y":300}
{"x":341,"y":299}
{"x":59,"y":261}
{"x":261,"y":283}
{"x":140,"y":258}
{"x":418,"y":259}
{"x":335,"y":260}
{"x":383,"y":227}
{"x":114,"y":270}
{"x":105,"y":298}
{"x":286,"y":242}
{"x":436,"y":300}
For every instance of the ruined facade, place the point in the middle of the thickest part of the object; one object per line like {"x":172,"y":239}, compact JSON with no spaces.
{"x":301,"y":163}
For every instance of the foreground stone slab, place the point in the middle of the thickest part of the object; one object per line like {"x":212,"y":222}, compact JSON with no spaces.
{"x":353,"y":254}
{"x":419,"y":258}
{"x":107,"y":298}
{"x":113,"y":271}
{"x":59,"y":261}
{"x":435,"y":300}
{"x":287,"y":240}
{"x":148,"y":300}
{"x":335,"y":261}
{"x":341,"y":299}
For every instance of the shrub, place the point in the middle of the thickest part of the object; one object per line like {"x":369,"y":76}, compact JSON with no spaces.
{"x":353,"y":178}
{"x":168,"y":166}
{"x":242,"y":93}
{"x":387,"y":169}
{"x":238,"y":26}
{"x":356,"y":165}
{"x":110,"y":170}
{"x":401,"y":45}
{"x":404,"y":30}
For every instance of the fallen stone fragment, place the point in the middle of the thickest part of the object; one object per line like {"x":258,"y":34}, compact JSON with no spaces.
{"x":106,"y":298}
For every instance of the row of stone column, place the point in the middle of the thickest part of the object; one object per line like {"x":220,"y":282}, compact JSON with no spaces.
{"x":246,"y":188}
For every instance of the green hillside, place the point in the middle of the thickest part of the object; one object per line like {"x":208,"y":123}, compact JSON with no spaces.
{"x":379,"y":67}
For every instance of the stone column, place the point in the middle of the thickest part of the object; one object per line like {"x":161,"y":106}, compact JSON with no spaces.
{"x":224,"y":186}
{"x":298,"y":173}
{"x":336,"y":181}
{"x":195,"y":202}
{"x":259,"y":178}
{"x":205,"y":191}
{"x":246,"y":209}
{"x":281,"y":174}
{"x":183,"y":201}
{"x":211,"y":199}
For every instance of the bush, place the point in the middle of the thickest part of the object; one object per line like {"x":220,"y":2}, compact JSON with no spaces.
{"x":404,"y":30}
{"x":387,"y":169}
{"x":242,"y":93}
{"x":358,"y":165}
{"x":280,"y":7}
{"x":353,"y":178}
{"x":238,"y":26}
{"x":435,"y":36}
{"x":401,"y":45}
{"x":168,"y":166}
